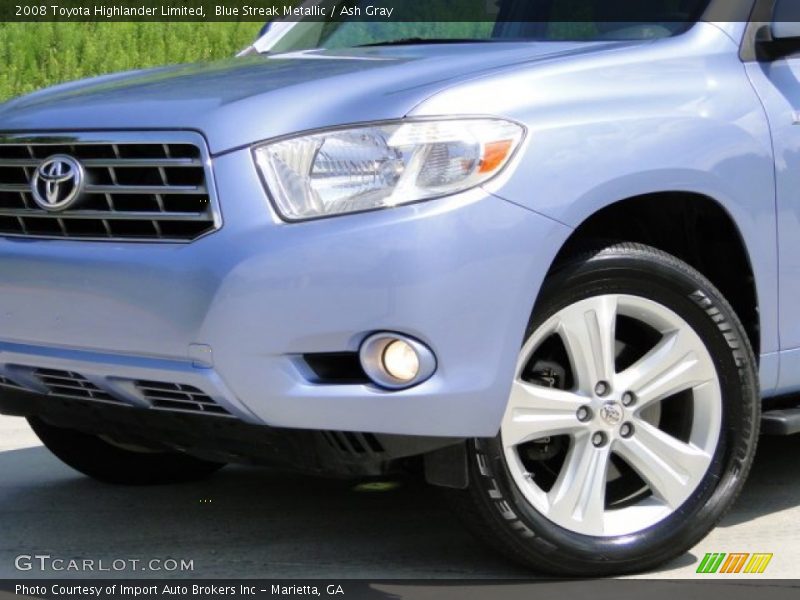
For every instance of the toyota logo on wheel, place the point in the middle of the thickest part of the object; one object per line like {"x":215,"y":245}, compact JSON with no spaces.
{"x":57,"y":182}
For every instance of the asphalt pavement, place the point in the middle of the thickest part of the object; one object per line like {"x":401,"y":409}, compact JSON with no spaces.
{"x":248,"y":522}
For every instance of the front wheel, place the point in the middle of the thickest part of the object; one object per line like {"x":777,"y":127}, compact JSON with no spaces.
{"x":632,"y":421}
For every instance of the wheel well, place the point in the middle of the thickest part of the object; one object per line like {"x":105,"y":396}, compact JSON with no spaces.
{"x":692,"y":227}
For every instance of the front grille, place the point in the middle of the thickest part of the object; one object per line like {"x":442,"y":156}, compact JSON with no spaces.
{"x":6,"y":382}
{"x":179,"y":397}
{"x":66,"y":384}
{"x":138,"y":188}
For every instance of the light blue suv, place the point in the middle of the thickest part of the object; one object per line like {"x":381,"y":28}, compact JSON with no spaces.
{"x":552,"y":266}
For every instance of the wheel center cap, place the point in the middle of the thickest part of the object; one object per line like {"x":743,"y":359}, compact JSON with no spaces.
{"x":611,"y":413}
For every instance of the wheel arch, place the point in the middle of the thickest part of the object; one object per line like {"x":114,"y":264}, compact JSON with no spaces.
{"x":695,"y":228}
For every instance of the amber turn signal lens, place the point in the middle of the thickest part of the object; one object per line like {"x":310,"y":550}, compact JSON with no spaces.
{"x":494,"y":155}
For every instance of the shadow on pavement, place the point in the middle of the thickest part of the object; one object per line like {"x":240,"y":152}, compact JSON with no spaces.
{"x":242,"y":521}
{"x":260,"y":523}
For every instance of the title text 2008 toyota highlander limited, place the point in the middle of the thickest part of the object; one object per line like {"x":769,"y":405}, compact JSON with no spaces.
{"x":560,"y":276}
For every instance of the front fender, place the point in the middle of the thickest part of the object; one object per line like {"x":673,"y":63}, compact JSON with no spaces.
{"x":674,"y":115}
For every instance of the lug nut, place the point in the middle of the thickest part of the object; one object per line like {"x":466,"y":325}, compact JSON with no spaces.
{"x":626,"y":430}
{"x":628,"y":399}
{"x":599,"y":439}
{"x":584,"y":414}
{"x":602,"y":389}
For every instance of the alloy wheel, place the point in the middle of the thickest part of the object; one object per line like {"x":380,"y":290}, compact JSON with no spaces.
{"x":614,"y":415}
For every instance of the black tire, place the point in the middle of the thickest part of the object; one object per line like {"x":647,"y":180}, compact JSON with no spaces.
{"x":497,"y":512}
{"x":110,"y":463}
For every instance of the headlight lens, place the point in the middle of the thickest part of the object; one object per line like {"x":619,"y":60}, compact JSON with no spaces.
{"x":367,"y":168}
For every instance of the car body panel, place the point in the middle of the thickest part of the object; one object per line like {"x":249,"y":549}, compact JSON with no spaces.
{"x":241,"y":101}
{"x":260,"y":292}
{"x":605,"y":122}
{"x":777,"y":84}
{"x":677,"y":115}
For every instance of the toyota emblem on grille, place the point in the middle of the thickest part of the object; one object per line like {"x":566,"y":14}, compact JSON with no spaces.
{"x":57,"y":182}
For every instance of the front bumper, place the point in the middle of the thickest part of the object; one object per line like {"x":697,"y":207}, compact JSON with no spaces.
{"x":229,"y":314}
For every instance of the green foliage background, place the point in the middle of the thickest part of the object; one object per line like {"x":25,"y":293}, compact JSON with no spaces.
{"x":35,"y":55}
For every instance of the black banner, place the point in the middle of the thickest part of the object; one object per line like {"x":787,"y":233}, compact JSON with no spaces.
{"x":348,"y":589}
{"x":564,"y":11}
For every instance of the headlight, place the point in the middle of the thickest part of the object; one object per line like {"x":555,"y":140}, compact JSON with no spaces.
{"x":366,"y":168}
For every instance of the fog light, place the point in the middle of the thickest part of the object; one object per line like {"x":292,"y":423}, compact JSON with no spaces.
{"x":401,"y":361}
{"x":395,"y":361}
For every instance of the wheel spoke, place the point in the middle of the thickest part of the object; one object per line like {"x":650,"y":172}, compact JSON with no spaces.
{"x":669,"y":466}
{"x":579,"y":493}
{"x":588,"y":330}
{"x":537,"y":411}
{"x":674,"y":365}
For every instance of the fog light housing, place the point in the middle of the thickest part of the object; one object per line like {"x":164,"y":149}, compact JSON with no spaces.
{"x":395,"y":361}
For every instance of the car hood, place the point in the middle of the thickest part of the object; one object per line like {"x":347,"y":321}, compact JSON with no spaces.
{"x":240,"y":101}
